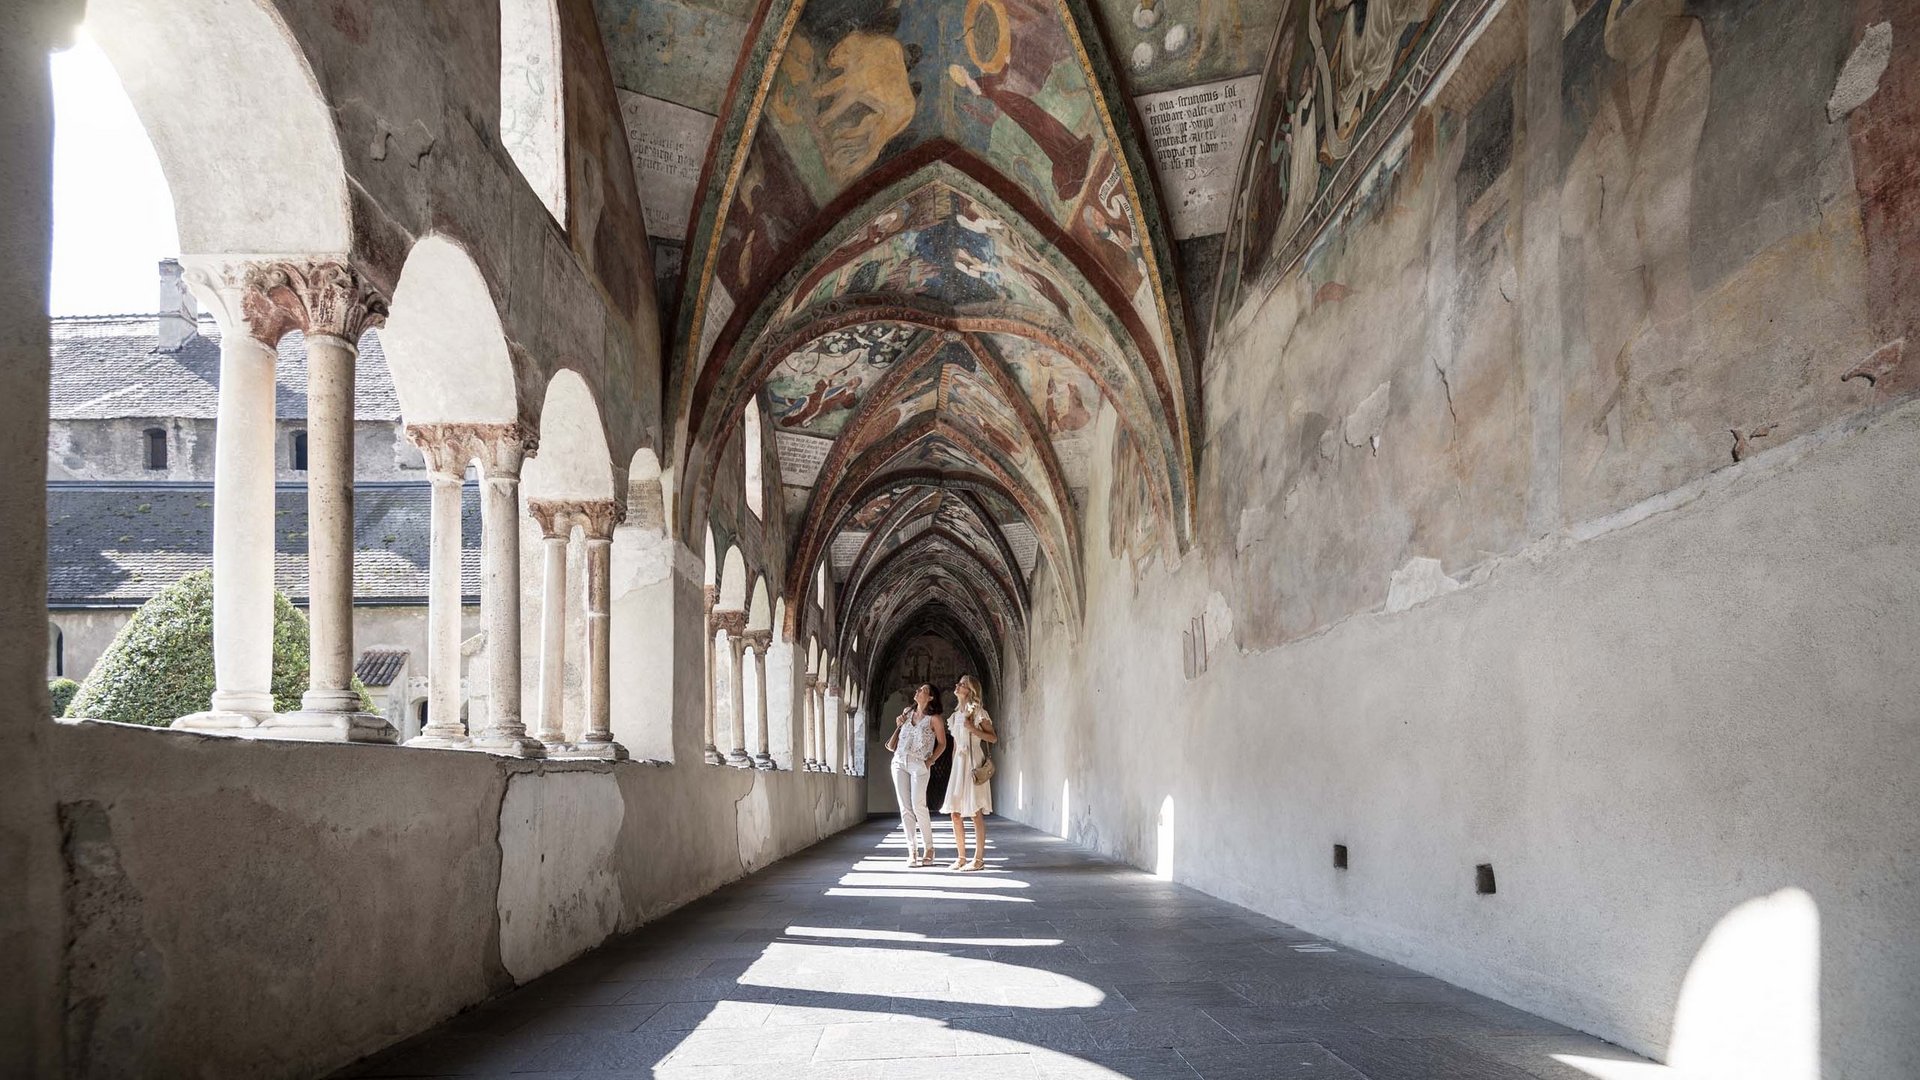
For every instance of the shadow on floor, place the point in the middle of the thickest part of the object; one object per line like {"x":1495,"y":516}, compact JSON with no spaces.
{"x":840,"y":962}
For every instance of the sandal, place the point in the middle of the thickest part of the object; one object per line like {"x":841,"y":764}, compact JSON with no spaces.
{"x":959,"y":864}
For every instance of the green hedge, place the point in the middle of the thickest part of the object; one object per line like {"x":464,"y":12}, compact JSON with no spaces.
{"x":61,"y":690}
{"x":160,"y":665}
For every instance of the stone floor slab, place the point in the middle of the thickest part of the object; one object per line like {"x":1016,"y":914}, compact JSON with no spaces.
{"x":840,"y":963}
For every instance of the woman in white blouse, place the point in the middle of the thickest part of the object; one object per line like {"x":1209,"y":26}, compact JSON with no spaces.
{"x":972,"y":731}
{"x":918,"y":738}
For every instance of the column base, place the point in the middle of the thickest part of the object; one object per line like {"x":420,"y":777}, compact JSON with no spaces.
{"x":738,"y":759}
{"x":712,"y":754}
{"x":763,"y":763}
{"x":594,"y":751}
{"x":520,"y":746}
{"x":428,"y":740}
{"x":329,"y":726}
{"x":220,"y":720}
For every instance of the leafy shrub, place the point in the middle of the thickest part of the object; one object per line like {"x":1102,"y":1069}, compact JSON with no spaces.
{"x":160,"y":665}
{"x":62,"y":691}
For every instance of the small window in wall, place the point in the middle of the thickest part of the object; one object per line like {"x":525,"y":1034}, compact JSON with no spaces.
{"x":56,"y":651}
{"x":531,"y":124}
{"x":298,"y":451}
{"x":156,"y":444}
{"x":753,"y":455}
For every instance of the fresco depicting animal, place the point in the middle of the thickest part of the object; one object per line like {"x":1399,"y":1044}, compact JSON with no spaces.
{"x":1331,"y":99}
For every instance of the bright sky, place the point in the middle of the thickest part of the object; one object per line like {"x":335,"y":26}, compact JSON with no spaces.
{"x":112,"y":215}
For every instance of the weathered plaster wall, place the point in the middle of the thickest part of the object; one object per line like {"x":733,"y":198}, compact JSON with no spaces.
{"x":1647,"y":684}
{"x":30,"y":895}
{"x":116,"y":450}
{"x":1640,"y":731}
{"x":360,"y":894}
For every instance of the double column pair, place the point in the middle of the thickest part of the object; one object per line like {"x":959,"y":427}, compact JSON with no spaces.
{"x":740,"y":641}
{"x":257,"y":303}
{"x":595,"y":519}
{"x":498,"y":451}
{"x":817,"y":708}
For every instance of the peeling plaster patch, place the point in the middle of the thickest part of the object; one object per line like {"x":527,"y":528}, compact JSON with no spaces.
{"x":559,"y":895}
{"x":1363,"y":425}
{"x":753,"y":825}
{"x":1860,"y":79}
{"x":1219,"y":621}
{"x":1510,"y":285}
{"x":1880,"y":364}
{"x":1253,"y":527}
{"x":1329,"y":442}
{"x":1742,"y":444}
{"x":1291,"y":503}
{"x":1419,"y":581}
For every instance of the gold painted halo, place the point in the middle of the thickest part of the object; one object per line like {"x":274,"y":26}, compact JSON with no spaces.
{"x":1002,"y":47}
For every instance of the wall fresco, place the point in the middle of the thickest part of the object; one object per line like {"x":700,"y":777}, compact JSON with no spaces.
{"x":1339,"y":82}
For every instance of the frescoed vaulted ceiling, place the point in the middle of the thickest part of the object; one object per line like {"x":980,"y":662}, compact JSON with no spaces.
{"x":931,"y":239}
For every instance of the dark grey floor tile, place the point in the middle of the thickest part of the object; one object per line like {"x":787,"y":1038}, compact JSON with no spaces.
{"x":1160,"y":1028}
{"x":1278,"y":1061}
{"x":568,"y":1019}
{"x":599,"y":1050}
{"x":1381,"y":1058}
{"x":1011,"y":1034}
{"x":1198,"y":995}
{"x":1283,"y":1025}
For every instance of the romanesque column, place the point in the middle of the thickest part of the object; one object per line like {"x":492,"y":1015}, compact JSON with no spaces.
{"x":243,"y":503}
{"x":556,"y":526}
{"x":447,"y":450}
{"x":806,"y":723}
{"x":711,"y":752}
{"x":502,"y":447}
{"x":849,"y":740}
{"x":332,"y":305}
{"x":734,"y":625}
{"x":598,"y":519}
{"x":759,"y":641}
{"x":835,"y":731}
{"x":820,"y":726}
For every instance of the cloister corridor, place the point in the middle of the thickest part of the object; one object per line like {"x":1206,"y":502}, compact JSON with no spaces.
{"x":841,"y":963}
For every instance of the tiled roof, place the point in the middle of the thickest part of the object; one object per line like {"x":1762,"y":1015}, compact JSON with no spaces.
{"x":116,"y":544}
{"x":106,"y":367}
{"x":379,"y":667}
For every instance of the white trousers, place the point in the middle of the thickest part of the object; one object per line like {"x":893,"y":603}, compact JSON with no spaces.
{"x":910,"y":788}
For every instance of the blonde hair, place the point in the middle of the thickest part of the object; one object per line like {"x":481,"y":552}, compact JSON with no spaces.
{"x":973,"y":688}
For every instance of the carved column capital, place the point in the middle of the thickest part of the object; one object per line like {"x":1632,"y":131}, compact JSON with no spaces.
{"x":554,"y":515}
{"x":733,"y":622}
{"x":759,"y":641}
{"x":498,"y":448}
{"x":314,"y":296}
{"x":599,"y":516}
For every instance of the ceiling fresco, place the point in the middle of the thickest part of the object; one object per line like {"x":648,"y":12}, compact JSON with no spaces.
{"x":936,"y":240}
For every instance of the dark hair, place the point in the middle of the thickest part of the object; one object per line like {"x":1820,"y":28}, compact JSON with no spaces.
{"x":934,"y":708}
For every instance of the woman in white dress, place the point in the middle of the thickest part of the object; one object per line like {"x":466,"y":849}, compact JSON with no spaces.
{"x":972,"y":731}
{"x":918,"y":738}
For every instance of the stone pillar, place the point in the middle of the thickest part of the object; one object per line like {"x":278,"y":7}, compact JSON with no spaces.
{"x":759,"y":641}
{"x":243,"y":498}
{"x":597,"y":521}
{"x":734,"y":625}
{"x":820,"y":763}
{"x":502,"y":447}
{"x":556,"y":526}
{"x":332,"y":305}
{"x":810,"y":761}
{"x":835,"y":730}
{"x":849,"y":741}
{"x":711,"y":752}
{"x":447,"y":450}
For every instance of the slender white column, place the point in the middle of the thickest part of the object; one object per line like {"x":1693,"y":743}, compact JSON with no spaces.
{"x":735,"y":623}
{"x":500,"y":592}
{"x":446,"y":458}
{"x":806,"y":723}
{"x":759,"y":641}
{"x":830,"y":707}
{"x":598,"y":522}
{"x":243,"y":510}
{"x":555,"y":527}
{"x":820,"y":726}
{"x":711,"y":752}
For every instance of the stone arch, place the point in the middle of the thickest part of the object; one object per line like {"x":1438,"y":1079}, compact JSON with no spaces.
{"x":733,"y":580}
{"x":759,"y":611}
{"x":573,"y":461}
{"x":444,"y":341}
{"x":247,"y":142}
